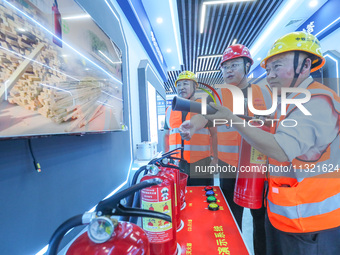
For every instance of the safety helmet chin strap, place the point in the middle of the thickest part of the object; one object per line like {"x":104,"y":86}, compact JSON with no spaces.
{"x":296,"y":63}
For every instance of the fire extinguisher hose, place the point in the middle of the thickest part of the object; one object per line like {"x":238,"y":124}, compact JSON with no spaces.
{"x":134,"y":199}
{"x":109,"y":206}
{"x":130,"y":199}
{"x":182,"y":104}
{"x":136,"y":175}
{"x":61,"y":231}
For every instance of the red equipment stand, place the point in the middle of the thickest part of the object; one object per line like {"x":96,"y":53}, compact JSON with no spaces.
{"x":208,"y":232}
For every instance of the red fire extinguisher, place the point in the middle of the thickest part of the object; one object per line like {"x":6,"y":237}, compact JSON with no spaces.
{"x":164,"y":164}
{"x":181,"y":186}
{"x":161,"y":234}
{"x":57,"y":25}
{"x":106,"y":235}
{"x":173,"y":171}
{"x":251,"y":175}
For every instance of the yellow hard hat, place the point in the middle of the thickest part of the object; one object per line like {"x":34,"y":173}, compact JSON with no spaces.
{"x":297,"y":41}
{"x":186,"y":75}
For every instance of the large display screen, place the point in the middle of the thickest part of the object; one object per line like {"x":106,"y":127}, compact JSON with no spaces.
{"x":59,"y":72}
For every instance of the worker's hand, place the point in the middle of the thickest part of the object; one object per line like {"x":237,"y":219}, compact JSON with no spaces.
{"x":223,"y":113}
{"x":186,"y":130}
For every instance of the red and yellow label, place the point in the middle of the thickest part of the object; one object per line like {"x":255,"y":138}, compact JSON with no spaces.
{"x":157,"y":199}
{"x":257,"y":157}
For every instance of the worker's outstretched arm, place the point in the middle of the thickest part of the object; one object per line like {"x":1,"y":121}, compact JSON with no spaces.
{"x":259,"y":139}
{"x":189,"y":127}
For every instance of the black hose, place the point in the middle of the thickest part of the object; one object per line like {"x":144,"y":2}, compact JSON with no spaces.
{"x":136,"y":198}
{"x":135,"y":204}
{"x":136,"y":175}
{"x":61,"y":231}
{"x":130,"y":199}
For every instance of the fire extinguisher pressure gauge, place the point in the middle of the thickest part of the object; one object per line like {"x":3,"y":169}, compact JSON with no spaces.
{"x":100,"y":230}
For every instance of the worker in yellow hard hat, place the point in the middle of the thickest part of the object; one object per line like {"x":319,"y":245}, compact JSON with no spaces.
{"x":186,"y":85}
{"x":197,"y":151}
{"x":303,"y":196}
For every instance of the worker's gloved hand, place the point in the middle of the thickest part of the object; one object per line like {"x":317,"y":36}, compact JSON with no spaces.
{"x":186,"y":130}
{"x":223,"y":113}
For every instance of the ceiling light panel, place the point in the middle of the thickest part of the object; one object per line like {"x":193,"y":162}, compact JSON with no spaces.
{"x":201,"y":52}
{"x":203,"y":10}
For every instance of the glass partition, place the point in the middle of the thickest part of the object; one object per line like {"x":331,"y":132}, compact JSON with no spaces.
{"x":160,"y":111}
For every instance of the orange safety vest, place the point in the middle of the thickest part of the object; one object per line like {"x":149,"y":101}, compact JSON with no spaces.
{"x":199,"y":145}
{"x":228,"y":139}
{"x":307,"y":204}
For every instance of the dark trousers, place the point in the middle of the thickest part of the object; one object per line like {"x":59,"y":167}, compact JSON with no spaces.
{"x":197,"y":179}
{"x":326,"y":242}
{"x":259,"y":233}
{"x":227,"y":186}
{"x":227,"y":183}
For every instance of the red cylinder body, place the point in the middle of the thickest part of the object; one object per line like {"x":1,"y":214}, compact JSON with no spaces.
{"x":251,"y":175}
{"x":183,"y":179}
{"x":128,"y":239}
{"x":161,"y":234}
{"x":174,"y":173}
{"x":57,"y":26}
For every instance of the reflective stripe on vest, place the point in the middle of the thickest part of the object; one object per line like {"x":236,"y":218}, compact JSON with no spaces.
{"x":229,"y":137}
{"x":174,"y":146}
{"x":174,"y":131}
{"x":306,"y":210}
{"x":190,"y":147}
{"x":307,"y":204}
{"x":229,"y":149}
{"x":199,"y":145}
{"x":202,"y":131}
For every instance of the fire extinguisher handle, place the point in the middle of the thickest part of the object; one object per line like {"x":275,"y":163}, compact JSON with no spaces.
{"x":107,"y":206}
{"x":172,"y":166}
{"x":180,"y":159}
{"x":174,"y":151}
{"x":165,"y":155}
{"x":136,"y":212}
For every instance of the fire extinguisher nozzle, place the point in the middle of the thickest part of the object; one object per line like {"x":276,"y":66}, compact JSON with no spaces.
{"x":156,"y":181}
